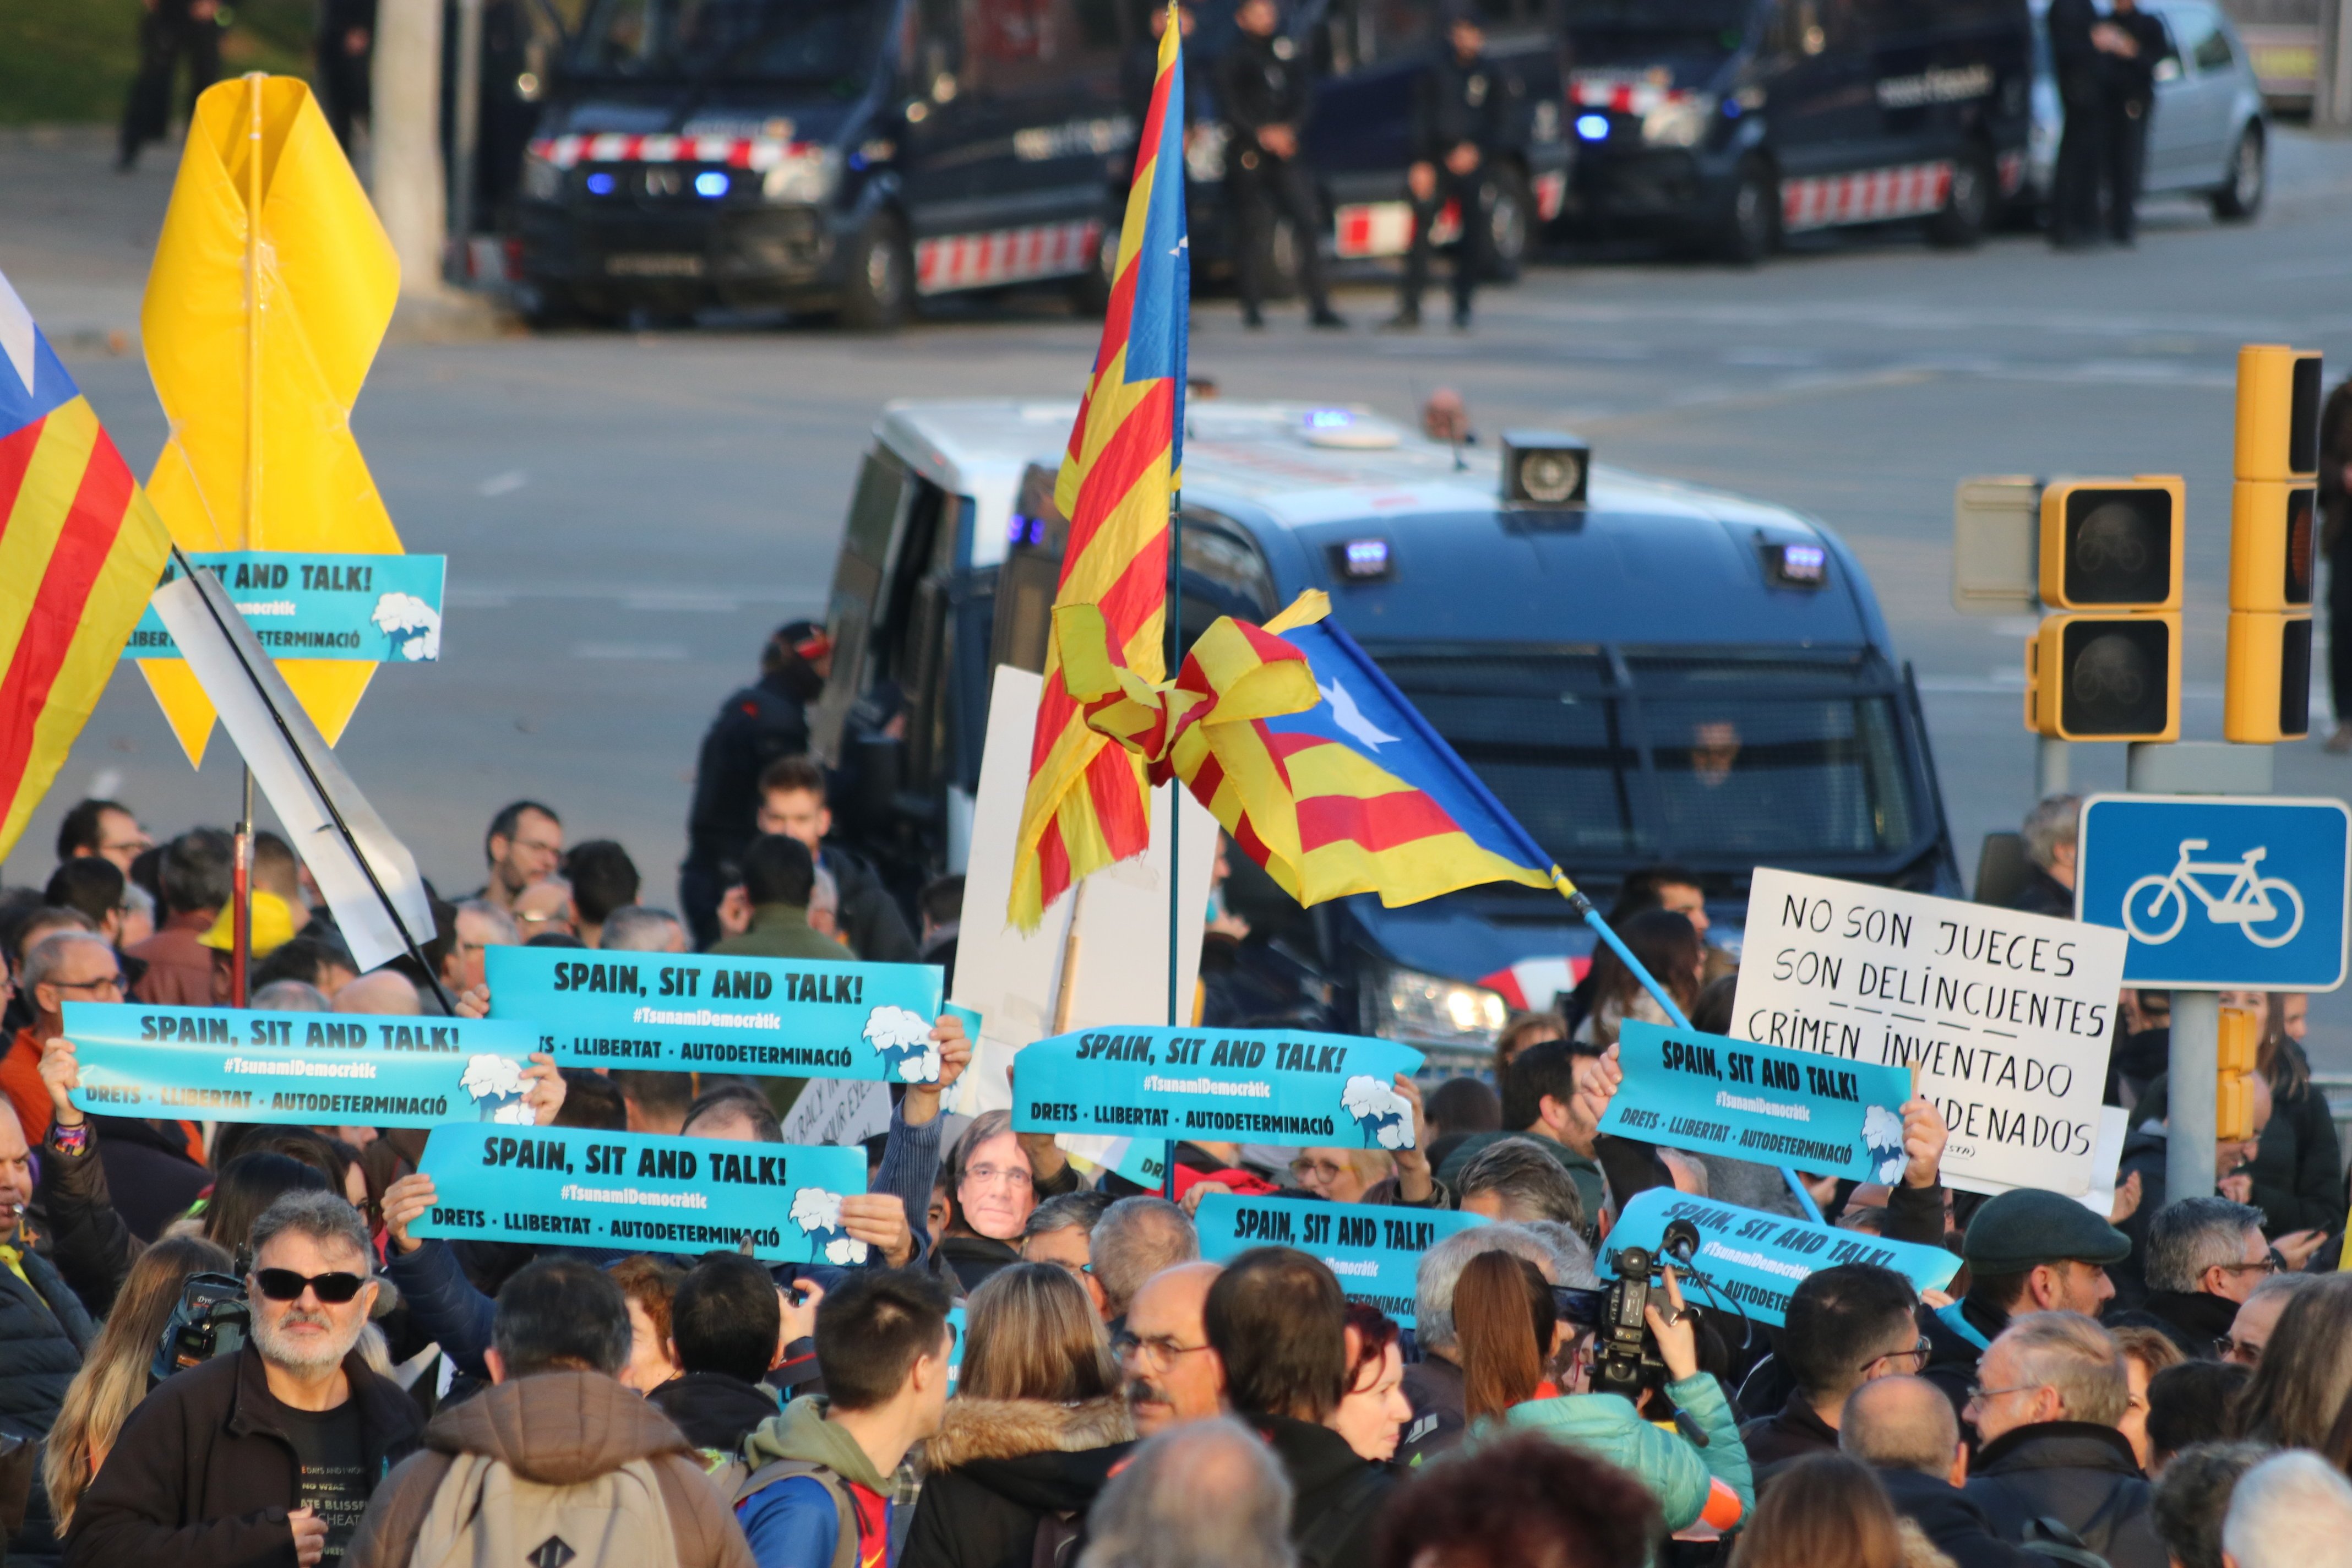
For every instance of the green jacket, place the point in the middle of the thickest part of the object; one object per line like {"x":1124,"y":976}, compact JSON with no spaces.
{"x":781,"y":930}
{"x":1610,"y":1428}
{"x":1581,"y":1171}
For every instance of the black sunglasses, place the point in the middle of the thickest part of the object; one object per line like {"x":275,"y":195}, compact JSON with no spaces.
{"x":285,"y":1285}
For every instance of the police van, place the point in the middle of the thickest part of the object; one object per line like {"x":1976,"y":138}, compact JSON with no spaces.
{"x":1641,"y":671}
{"x":1733,"y":123}
{"x":857,"y":156}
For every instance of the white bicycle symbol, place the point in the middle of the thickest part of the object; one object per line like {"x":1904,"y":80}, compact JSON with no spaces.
{"x":2245,"y":903}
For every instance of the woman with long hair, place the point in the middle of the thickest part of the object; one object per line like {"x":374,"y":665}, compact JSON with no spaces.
{"x":113,"y":1375}
{"x":2305,"y":1372}
{"x":1827,"y":1510}
{"x":2297,"y":1171}
{"x":987,"y":1179}
{"x":1037,"y":1425}
{"x":1668,"y":946}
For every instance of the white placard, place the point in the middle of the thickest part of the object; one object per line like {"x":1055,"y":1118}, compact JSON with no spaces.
{"x":2007,"y":1015}
{"x":839,"y":1110}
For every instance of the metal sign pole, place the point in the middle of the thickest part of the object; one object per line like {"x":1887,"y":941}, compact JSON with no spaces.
{"x":2190,"y":1116}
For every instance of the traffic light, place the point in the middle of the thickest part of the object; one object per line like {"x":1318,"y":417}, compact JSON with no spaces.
{"x":2233,"y":1091}
{"x":2109,"y":669}
{"x":2266,"y":694}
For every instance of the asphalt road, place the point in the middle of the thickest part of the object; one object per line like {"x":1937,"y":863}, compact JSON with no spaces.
{"x":626,"y":514}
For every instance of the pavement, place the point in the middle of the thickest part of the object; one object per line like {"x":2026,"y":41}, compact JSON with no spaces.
{"x":627,"y":513}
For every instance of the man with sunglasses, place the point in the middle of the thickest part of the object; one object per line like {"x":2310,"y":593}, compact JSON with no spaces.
{"x":1847,"y":1326}
{"x":232,"y":1461}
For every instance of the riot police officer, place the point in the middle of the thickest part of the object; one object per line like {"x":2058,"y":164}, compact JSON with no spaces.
{"x":1263,"y":85}
{"x":1462,"y":111}
{"x":756,"y":726}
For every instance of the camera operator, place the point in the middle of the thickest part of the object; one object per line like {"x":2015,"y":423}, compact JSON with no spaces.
{"x":1521,"y":1368}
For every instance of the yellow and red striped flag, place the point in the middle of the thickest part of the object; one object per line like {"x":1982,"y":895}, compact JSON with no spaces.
{"x":1086,"y":807}
{"x":80,"y":550}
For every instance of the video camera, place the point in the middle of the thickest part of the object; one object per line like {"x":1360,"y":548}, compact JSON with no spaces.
{"x":212,"y":1319}
{"x":1625,"y":1358}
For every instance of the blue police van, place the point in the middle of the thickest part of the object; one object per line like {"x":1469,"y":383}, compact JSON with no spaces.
{"x":1730,"y":124}
{"x":1641,"y":671}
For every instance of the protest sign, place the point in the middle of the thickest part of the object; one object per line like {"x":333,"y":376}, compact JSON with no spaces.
{"x":641,"y":1192}
{"x":1753,"y":1259}
{"x":308,"y":1069}
{"x":1373,"y":1249}
{"x":2006,"y":1014}
{"x":1264,"y":1086}
{"x":382,"y":608}
{"x":782,"y":1017}
{"x":1722,"y":1096}
{"x":838,"y":1110}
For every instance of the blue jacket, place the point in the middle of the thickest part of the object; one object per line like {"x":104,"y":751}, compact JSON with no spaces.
{"x":1676,"y":1473}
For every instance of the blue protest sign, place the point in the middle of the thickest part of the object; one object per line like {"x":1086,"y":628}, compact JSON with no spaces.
{"x":640,"y":1192}
{"x":306,"y":1069}
{"x":384,"y":609}
{"x":2218,"y":893}
{"x":1374,"y":1249}
{"x":1753,"y":1259}
{"x":955,"y":1349}
{"x":1765,"y":1103}
{"x":699,"y":1012}
{"x":1259,"y":1086}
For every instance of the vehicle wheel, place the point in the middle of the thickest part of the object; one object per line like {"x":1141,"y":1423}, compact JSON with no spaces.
{"x":1968,"y":203}
{"x":1090,"y":289}
{"x":2238,"y":201}
{"x":1510,"y":207}
{"x":879,"y":292}
{"x":1751,"y":219}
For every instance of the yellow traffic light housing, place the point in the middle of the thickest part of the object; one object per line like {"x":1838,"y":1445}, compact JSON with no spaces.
{"x":2266,"y":686}
{"x":2266,"y":694}
{"x":2233,"y":1097}
{"x":2105,"y":678}
{"x":2278,"y":413}
{"x":2112,"y":544}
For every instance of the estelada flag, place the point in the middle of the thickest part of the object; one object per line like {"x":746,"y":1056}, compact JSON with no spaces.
{"x":1086,"y":807}
{"x":80,"y":550}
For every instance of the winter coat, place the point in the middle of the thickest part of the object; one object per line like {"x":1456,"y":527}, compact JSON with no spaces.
{"x":997,"y":1467}
{"x":792,"y":1523}
{"x":867,"y":915}
{"x":2082,"y":1475}
{"x":965,"y":1261}
{"x":780,"y":930}
{"x":148,"y":1171}
{"x":1433,"y":1386}
{"x":714,"y":1412}
{"x":1951,"y":1520}
{"x":2191,"y":1320}
{"x":1776,"y":1441}
{"x":200,"y":1478}
{"x":44,"y":1333}
{"x":1677,"y":1474}
{"x":555,"y":1429}
{"x":1336,"y":1493}
{"x":88,"y":1241}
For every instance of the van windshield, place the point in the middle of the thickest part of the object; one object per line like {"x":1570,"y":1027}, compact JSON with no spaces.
{"x":1710,"y":757}
{"x":808,"y":42}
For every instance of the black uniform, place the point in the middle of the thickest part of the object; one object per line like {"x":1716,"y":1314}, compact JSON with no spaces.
{"x":1261,"y":82}
{"x":756,"y":726}
{"x":1456,"y":101}
{"x":342,"y":76}
{"x":2336,"y":544}
{"x":165,"y":32}
{"x":2082,"y":153}
{"x":2131,"y":100}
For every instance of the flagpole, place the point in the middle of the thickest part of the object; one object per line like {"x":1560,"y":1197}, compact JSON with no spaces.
{"x":1175,"y":627}
{"x":240,"y":950}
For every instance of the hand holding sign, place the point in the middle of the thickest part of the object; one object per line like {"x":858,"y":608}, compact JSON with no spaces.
{"x":1597,"y":1078}
{"x":922,"y":1102}
{"x":879,"y":1220}
{"x":1924,"y":1134}
{"x":545,"y":1093}
{"x":403,"y":1200}
{"x":1414,"y":1185}
{"x":61,"y":1075}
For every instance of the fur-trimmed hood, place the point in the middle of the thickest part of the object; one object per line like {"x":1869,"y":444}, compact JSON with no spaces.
{"x":977,"y":1429}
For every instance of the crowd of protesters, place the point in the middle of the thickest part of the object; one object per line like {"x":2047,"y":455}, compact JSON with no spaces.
{"x":223,"y":1345}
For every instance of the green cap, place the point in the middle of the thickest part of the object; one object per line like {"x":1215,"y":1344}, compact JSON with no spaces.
{"x":2017,"y":1229}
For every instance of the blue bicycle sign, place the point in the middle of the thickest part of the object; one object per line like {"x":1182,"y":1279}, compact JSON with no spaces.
{"x":2267,"y":909}
{"x":2218,"y":893}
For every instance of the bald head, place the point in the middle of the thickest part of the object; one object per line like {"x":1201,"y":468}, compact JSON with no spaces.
{"x":384,"y":992}
{"x":1900,"y":1424}
{"x":1172,"y":1375}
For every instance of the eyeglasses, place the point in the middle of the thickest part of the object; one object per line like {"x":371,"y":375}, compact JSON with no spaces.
{"x":2245,"y":1353}
{"x":2269,"y":1265}
{"x":104,"y":983}
{"x":1917,"y":1356}
{"x":994,"y":1175}
{"x":1327,"y":1169}
{"x":1977,"y":1396}
{"x":1157,"y":1351}
{"x":285,"y":1285}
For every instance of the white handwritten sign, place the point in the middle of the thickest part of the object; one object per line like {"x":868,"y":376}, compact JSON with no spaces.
{"x":2007,"y":1015}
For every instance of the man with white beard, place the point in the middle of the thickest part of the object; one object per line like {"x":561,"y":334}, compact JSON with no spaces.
{"x":228,"y":1462}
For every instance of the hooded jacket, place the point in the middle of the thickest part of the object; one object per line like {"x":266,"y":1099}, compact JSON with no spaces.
{"x":1677,"y":1474}
{"x":996,"y":1466}
{"x":2078,"y":1473}
{"x":556,"y":1428}
{"x":792,"y":1523}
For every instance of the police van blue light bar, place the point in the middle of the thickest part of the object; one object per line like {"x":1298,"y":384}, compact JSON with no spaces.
{"x":1592,"y":127}
{"x":600,"y":184}
{"x":1361,"y":560}
{"x":1798,"y":566}
{"x":711,"y":182}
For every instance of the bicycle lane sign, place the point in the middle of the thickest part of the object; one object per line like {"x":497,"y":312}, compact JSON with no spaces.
{"x":2219,"y":892}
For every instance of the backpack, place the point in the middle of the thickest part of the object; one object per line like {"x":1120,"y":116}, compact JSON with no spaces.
{"x":845,"y":1541}
{"x":486,"y":1516}
{"x":1060,"y":1536}
{"x":2053,"y":1542}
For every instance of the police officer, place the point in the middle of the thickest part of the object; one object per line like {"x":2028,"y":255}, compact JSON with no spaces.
{"x":1461,"y":113}
{"x":2135,"y":42}
{"x":2078,"y":62}
{"x":755,"y":727}
{"x":170,"y":29}
{"x":1262,"y":83}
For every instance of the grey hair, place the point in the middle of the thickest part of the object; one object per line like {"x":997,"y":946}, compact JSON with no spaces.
{"x":2289,"y":1511}
{"x":1076,"y":1211}
{"x":322,"y":1216}
{"x":48,"y":956}
{"x":1525,"y":1177}
{"x":1134,"y":1239}
{"x":497,"y":918}
{"x":2288,"y":1285}
{"x":2053,"y":821}
{"x":2071,"y":1353}
{"x":1441,"y":1270}
{"x":1571,"y":1255}
{"x":636,"y":928}
{"x":1150,"y":1516}
{"x":2189,"y":1236}
{"x":290,"y":997}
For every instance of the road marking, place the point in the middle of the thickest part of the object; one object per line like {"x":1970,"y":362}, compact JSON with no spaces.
{"x":630,"y":652}
{"x":504,"y":484}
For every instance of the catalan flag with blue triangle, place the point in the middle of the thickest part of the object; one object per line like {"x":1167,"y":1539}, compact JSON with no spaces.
{"x":80,"y":551}
{"x":1086,"y":806}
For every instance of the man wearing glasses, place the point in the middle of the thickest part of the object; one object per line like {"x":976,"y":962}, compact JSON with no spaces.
{"x":1173,"y":1375}
{"x":1846,"y":1326}
{"x":2205,"y":1256}
{"x":204,"y":1469}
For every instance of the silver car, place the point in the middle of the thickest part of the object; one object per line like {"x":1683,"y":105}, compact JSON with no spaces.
{"x":2207,"y":137}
